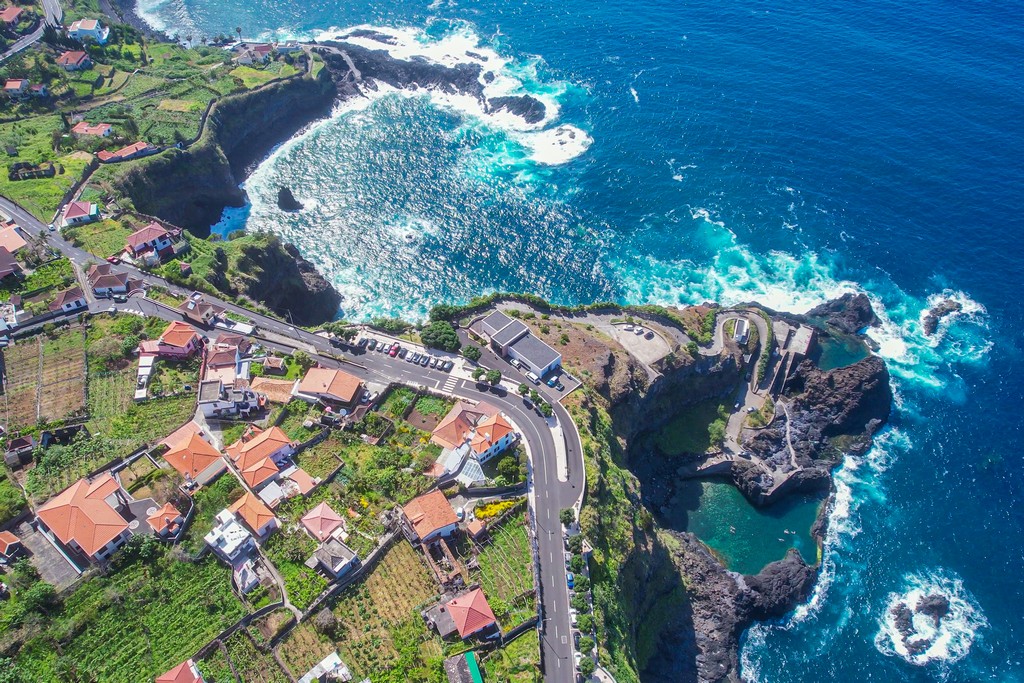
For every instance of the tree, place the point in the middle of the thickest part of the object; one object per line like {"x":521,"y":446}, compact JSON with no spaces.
{"x":546,"y":410}
{"x":692,"y":348}
{"x":238,"y":30}
{"x":508,"y":467}
{"x":523,"y":390}
{"x":582,"y":584}
{"x":441,"y":335}
{"x":494,"y":377}
{"x":471,"y":352}
{"x":585,"y":623}
{"x":567,"y":516}
{"x":580,"y":603}
{"x":534,"y":396}
{"x":478,"y":373}
{"x":587,"y":667}
{"x":575,"y":543}
{"x":716,"y":432}
{"x":586,"y":643}
{"x":302,"y":359}
{"x":577,"y":564}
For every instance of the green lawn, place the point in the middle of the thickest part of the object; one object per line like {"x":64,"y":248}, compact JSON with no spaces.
{"x":322,"y":459}
{"x":54,"y":275}
{"x":517,"y":662}
{"x":687,"y":432}
{"x":253,"y":77}
{"x":103,"y":238}
{"x":145,"y":422}
{"x":134,"y":623}
{"x":210,"y":500}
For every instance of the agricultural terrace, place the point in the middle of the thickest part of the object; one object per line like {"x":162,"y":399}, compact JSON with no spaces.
{"x":45,"y":378}
{"x":506,"y":571}
{"x":251,"y":664}
{"x":377,"y":629}
{"x":149,"y":613}
{"x":104,"y":238}
{"x":288,"y":549}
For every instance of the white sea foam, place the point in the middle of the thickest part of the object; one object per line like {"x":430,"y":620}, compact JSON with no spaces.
{"x":545,"y":142}
{"x":636,"y":97}
{"x":956,"y":632}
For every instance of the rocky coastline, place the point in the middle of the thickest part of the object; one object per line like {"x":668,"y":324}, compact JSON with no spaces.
{"x":828,"y":414}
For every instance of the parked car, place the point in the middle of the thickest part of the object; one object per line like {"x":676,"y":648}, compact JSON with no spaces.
{"x":568,"y":559}
{"x":515,"y":363}
{"x":434,"y":362}
{"x":533,"y":377}
{"x":574,"y":617}
{"x":552,"y":381}
{"x":649,"y":335}
{"x":363,"y":342}
{"x":425,"y":360}
{"x":372,"y":344}
{"x":638,"y":331}
{"x":416,"y":357}
{"x":627,"y":328}
{"x":365,"y":398}
{"x":402,"y":353}
{"x":576,"y":659}
{"x":460,"y":514}
{"x":576,"y":635}
{"x":560,"y":386}
{"x":394,"y":351}
{"x":448,"y":365}
{"x":120,"y":298}
{"x":570,"y":580}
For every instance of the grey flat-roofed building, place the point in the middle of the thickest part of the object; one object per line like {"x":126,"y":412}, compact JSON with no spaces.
{"x":509,"y":334}
{"x":539,"y":356}
{"x":494,"y":323}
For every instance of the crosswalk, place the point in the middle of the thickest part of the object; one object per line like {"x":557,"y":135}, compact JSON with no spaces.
{"x":449,"y":384}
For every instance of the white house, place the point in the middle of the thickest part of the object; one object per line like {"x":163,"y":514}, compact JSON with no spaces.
{"x":77,"y":213}
{"x":105,"y":282}
{"x":429,"y":517}
{"x":89,"y":29}
{"x":69,"y":300}
{"x":228,"y":538}
{"x":218,"y":400}
{"x":742,"y":331}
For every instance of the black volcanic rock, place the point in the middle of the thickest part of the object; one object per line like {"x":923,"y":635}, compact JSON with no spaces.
{"x":938,"y":312}
{"x":529,"y":108}
{"x":850,"y":313}
{"x":286,"y":201}
{"x":935,"y":606}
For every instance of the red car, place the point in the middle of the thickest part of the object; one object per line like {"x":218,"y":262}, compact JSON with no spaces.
{"x":113,"y":259}
{"x":394,"y":350}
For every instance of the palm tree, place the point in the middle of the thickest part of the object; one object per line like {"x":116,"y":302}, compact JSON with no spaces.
{"x":238,"y":30}
{"x":188,"y":39}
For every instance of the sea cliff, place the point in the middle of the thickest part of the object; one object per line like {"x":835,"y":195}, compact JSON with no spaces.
{"x":668,"y":610}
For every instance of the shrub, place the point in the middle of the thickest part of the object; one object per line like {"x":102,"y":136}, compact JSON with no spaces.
{"x":471,"y":352}
{"x":523,"y":390}
{"x":586,"y":643}
{"x":587,"y":666}
{"x":585,"y":623}
{"x":567,"y":516}
{"x":494,"y":377}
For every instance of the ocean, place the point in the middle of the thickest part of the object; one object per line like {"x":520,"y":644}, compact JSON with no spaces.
{"x":709,"y":151}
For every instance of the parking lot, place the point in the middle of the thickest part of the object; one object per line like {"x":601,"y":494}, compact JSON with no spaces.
{"x":648,"y":347}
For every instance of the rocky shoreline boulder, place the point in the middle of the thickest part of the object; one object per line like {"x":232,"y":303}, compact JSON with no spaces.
{"x":937,"y":313}
{"x":850,"y":313}
{"x":286,"y":201}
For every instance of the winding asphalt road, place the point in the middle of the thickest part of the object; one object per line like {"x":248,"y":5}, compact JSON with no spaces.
{"x":54,"y":14}
{"x":551,"y":494}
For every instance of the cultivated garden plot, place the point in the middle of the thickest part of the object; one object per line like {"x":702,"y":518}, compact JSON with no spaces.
{"x":506,"y":572}
{"x":45,"y":378}
{"x":252,"y":665}
{"x":377,"y":621}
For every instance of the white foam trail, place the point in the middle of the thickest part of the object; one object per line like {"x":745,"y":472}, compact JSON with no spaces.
{"x":948,"y":643}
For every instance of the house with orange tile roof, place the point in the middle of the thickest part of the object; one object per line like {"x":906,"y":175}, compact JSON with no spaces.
{"x":178,"y":341}
{"x":12,"y":238}
{"x":165,"y":521}
{"x":258,"y":444}
{"x":260,"y":473}
{"x":135,"y":150}
{"x":330,"y":386}
{"x":16,"y":88}
{"x":10,"y":546}
{"x":428,"y":517}
{"x":258,"y":517}
{"x":88,"y":516}
{"x":193,"y":456}
{"x":150,"y":243}
{"x":77,"y":213}
{"x":321,"y":522}
{"x":69,"y":300}
{"x":457,"y":426}
{"x":492,"y":435}
{"x":97,"y":130}
{"x":472,"y":615}
{"x":9,"y":15}
{"x":74,"y":60}
{"x":186,"y":672}
{"x":105,"y":282}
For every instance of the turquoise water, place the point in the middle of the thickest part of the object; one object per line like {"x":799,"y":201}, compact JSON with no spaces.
{"x":840,"y":352}
{"x":746,"y":538}
{"x":781,"y":152}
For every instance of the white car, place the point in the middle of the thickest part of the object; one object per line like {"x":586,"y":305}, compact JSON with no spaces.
{"x":577,"y":658}
{"x":573,"y":615}
{"x":638,"y":331}
{"x":627,"y":328}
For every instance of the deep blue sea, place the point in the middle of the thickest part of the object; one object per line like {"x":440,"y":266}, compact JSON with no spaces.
{"x":728,"y":151}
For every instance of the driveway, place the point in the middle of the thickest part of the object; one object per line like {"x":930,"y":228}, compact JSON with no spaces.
{"x":52,"y":566}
